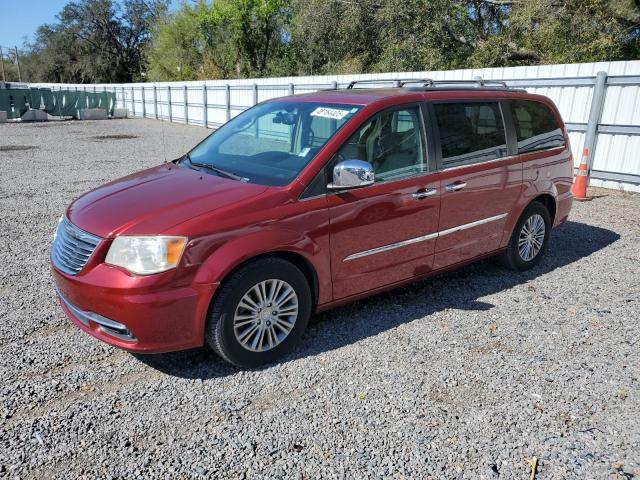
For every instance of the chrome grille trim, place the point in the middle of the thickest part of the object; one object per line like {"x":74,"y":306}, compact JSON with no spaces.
{"x":72,"y":247}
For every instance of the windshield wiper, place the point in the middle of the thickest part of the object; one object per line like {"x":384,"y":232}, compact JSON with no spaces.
{"x":218,"y":170}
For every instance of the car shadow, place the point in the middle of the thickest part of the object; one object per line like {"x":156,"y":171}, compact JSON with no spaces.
{"x":459,"y":289}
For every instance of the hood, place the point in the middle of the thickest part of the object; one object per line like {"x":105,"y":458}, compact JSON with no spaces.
{"x":151,"y":201}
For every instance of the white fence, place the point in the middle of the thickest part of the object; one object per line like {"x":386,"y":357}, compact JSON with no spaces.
{"x":615,"y":157}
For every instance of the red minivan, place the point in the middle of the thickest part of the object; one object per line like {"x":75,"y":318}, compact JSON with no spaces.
{"x":306,"y":202}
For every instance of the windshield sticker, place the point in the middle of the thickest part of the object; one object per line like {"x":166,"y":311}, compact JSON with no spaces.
{"x":326,"y":112}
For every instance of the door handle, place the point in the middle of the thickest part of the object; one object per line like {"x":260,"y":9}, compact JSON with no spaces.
{"x":425,"y":193}
{"x":454,"y":187}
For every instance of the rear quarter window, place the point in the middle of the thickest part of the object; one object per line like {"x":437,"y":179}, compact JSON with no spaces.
{"x":536,"y":126}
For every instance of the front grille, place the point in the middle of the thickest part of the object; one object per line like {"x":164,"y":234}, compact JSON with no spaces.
{"x":72,"y":247}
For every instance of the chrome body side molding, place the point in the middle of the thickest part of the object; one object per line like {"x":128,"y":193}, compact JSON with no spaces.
{"x":471,"y":225}
{"x":422,"y":238}
{"x":391,"y":246}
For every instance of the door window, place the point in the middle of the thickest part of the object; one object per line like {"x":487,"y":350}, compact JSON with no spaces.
{"x":392,"y":142}
{"x":536,"y":128}
{"x":470,"y":132}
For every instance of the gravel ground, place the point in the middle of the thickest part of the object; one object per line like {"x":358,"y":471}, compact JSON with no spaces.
{"x":464,"y":376}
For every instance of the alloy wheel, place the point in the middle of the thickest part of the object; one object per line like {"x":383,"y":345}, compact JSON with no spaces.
{"x":265,"y":315}
{"x":531,"y":237}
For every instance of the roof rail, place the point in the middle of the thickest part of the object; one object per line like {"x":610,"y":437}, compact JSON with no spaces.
{"x":399,"y":82}
{"x":430,"y":83}
{"x":478,"y":82}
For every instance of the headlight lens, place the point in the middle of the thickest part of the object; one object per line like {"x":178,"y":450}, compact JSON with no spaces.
{"x":146,"y":255}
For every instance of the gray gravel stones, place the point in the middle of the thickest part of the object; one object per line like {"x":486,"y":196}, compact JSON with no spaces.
{"x":463,"y":376}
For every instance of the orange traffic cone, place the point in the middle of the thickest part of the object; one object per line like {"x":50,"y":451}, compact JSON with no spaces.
{"x":579,"y":189}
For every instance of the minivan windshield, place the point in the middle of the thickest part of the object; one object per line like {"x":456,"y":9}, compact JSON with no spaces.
{"x":272,"y":142}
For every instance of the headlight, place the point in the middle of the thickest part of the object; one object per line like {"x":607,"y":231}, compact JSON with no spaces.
{"x":146,"y":255}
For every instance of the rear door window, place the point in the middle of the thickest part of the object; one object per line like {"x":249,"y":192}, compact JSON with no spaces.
{"x":536,"y":127}
{"x":470,"y":132}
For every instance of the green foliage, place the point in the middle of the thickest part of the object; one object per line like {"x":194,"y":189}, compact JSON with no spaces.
{"x":11,"y":66}
{"x":178,"y":46}
{"x":94,"y":41}
{"x":228,"y":39}
{"x":336,"y":36}
{"x":576,"y":30}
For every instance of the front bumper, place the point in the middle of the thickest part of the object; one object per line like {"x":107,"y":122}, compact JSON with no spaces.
{"x":140,"y":314}
{"x":97,"y":322}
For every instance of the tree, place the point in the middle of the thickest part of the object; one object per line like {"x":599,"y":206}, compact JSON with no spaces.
{"x":178,"y":47}
{"x":246,"y":37}
{"x":228,"y":39}
{"x":95,"y":41}
{"x":532,"y":32}
{"x":425,"y":35}
{"x":574,"y":30}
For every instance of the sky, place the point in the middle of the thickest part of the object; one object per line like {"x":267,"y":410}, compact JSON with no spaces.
{"x":20,"y":19}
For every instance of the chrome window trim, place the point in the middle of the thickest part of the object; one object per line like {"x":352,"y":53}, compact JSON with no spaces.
{"x":495,"y":160}
{"x":542,"y":150}
{"x":315,"y":197}
{"x":418,"y":176}
{"x":423,"y":238}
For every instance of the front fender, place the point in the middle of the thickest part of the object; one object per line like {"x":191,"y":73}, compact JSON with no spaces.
{"x":238,"y":250}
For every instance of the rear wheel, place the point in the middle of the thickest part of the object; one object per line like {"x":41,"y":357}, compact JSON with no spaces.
{"x":259,"y":313}
{"x":529,"y":239}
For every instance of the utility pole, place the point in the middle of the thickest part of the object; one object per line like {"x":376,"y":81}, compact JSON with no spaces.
{"x":18,"y":64}
{"x":2,"y":62}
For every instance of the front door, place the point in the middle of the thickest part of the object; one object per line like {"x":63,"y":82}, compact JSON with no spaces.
{"x":386,"y":232}
{"x":480,"y":180}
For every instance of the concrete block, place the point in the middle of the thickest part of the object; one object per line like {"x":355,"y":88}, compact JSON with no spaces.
{"x":34,"y":116}
{"x":120,"y":113}
{"x":93,"y":114}
{"x":3,"y":116}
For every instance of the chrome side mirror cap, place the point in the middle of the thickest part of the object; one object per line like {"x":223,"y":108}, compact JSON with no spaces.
{"x":352,"y":174}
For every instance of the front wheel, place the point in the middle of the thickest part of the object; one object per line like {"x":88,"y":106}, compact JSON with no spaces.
{"x":259,"y":313}
{"x":529,"y":239}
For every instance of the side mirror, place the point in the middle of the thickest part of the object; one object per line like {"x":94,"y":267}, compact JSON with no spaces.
{"x":352,"y":174}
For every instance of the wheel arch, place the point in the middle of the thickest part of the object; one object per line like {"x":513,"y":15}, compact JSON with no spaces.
{"x":545,"y":198}
{"x":295,"y":258}
{"x":549,"y":202}
{"x":298,"y":249}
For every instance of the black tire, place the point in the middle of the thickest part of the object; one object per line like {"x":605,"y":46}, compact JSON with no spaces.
{"x":220,"y":333}
{"x":511,"y":257}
